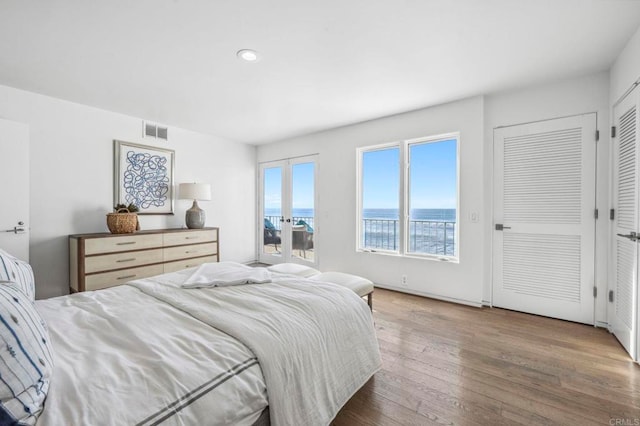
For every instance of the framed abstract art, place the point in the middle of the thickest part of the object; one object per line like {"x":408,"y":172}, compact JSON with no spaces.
{"x":143,"y":175}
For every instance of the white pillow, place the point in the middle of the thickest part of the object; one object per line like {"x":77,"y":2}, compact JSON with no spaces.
{"x":293,"y":269}
{"x":18,"y":271}
{"x":26,"y":359}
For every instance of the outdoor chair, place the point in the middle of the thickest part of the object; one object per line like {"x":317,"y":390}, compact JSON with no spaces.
{"x":301,"y":239}
{"x":271,"y":234}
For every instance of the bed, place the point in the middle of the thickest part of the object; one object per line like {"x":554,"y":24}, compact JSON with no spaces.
{"x":291,"y":351}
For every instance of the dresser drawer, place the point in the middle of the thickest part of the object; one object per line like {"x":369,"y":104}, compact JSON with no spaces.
{"x":123,"y":243}
{"x":188,"y":263}
{"x":190,"y":237}
{"x":110,"y":279}
{"x":185,"y":252}
{"x":109,"y":262}
{"x":102,"y":260}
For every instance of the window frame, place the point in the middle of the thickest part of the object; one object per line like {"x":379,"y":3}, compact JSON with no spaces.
{"x":404,"y":202}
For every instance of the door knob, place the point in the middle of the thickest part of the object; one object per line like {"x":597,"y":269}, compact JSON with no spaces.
{"x":16,"y":229}
{"x":633,"y":236}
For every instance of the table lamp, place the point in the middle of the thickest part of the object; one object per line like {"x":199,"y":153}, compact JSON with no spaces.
{"x":195,"y":216}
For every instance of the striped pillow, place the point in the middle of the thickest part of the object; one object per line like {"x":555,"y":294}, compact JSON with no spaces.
{"x":26,"y":359}
{"x":18,"y":271}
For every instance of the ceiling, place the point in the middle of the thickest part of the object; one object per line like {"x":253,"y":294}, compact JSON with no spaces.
{"x":324,"y":63}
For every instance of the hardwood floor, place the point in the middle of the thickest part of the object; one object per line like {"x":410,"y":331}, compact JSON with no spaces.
{"x":450,"y":364}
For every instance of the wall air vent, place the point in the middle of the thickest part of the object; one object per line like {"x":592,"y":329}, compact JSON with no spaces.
{"x":163,"y":133}
{"x":150,"y":130}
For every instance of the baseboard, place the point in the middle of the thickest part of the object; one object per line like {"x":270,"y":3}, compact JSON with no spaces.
{"x":429,"y":295}
{"x":602,"y":324}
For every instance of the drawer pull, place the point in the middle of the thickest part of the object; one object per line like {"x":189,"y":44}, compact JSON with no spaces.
{"x":126,"y":276}
{"x":191,"y":238}
{"x":126,"y":260}
{"x":125,"y":243}
{"x":191,"y":251}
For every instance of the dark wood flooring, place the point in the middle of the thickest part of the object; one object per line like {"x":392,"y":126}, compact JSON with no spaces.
{"x":450,"y":364}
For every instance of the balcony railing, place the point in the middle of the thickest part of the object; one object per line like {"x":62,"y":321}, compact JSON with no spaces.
{"x":425,"y":236}
{"x":278,"y":225}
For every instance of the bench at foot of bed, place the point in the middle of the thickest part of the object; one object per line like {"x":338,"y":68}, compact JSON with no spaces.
{"x":361,"y":286}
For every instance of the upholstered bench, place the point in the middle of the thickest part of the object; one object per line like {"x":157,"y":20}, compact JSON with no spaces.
{"x":361,"y":286}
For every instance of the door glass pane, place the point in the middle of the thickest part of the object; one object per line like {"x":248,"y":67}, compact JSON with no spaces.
{"x":380,"y":199}
{"x":303,"y":211}
{"x":433,"y":198}
{"x":272,"y":213}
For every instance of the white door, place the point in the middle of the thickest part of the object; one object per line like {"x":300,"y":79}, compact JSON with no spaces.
{"x":623,"y":287}
{"x":544,"y":201}
{"x":288,"y":206}
{"x":14,"y":189}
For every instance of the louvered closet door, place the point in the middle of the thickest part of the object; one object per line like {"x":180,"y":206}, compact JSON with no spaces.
{"x":544,"y":196}
{"x":622,"y":309}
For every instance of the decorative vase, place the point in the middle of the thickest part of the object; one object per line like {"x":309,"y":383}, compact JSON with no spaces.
{"x":195,"y":217}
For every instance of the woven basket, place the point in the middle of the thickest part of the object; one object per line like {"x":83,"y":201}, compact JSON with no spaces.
{"x":122,"y":222}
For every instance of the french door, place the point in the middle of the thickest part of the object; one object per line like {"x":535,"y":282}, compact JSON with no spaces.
{"x":544,"y":235}
{"x":623,"y":287}
{"x":288,"y":211}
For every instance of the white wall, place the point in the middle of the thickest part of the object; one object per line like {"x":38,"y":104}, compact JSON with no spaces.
{"x":626,"y":69}
{"x":336,"y":239}
{"x":71,"y":162}
{"x":475,"y":118}
{"x":559,"y":99}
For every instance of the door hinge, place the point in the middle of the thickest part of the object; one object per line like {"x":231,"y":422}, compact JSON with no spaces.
{"x":613,"y":131}
{"x":610,"y":295}
{"x":597,"y":135}
{"x":595,"y":214}
{"x":612,"y":214}
{"x":595,"y":291}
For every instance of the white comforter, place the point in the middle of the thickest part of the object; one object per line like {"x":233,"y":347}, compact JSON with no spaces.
{"x":210,"y":356}
{"x":315,"y":341}
{"x":124,"y":358}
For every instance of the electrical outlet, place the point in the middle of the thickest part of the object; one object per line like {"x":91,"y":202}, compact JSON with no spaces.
{"x":403,"y":280}
{"x":474,"y":217}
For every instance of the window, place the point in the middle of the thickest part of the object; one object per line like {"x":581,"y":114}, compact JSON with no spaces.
{"x":416,"y":180}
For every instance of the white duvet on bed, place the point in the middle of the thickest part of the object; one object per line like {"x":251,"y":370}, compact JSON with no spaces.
{"x":315,"y":341}
{"x":124,"y":358}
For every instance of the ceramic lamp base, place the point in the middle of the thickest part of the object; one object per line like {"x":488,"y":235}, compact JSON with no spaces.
{"x":195,"y":217}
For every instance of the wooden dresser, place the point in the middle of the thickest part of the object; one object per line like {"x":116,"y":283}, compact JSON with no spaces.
{"x":104,"y":260}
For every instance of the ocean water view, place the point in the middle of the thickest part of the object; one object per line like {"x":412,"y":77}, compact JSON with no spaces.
{"x":431,"y":231}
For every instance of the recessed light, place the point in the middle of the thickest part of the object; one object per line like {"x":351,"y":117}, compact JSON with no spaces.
{"x":248,"y":55}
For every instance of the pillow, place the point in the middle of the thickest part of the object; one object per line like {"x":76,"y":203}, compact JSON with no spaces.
{"x":17,"y":271}
{"x":306,"y":225}
{"x":26,"y":360}
{"x":293,"y":269}
{"x":268,"y":224}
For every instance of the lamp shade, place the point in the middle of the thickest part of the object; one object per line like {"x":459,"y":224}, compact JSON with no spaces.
{"x":195,"y":191}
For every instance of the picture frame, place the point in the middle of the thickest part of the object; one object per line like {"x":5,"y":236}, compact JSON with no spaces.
{"x":143,"y":175}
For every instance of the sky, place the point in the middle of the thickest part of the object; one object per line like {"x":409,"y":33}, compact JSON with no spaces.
{"x":432,"y":179}
{"x":302,"y":186}
{"x":432,"y":176}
